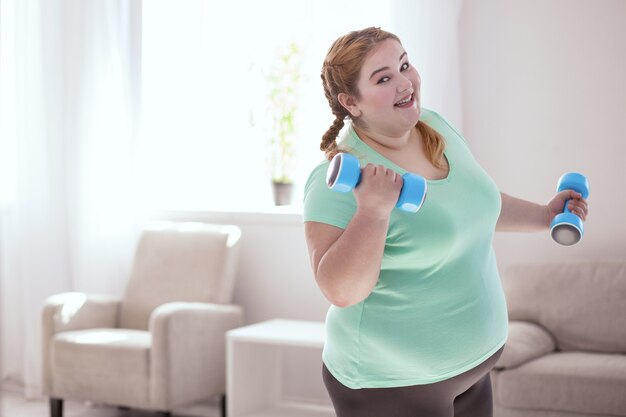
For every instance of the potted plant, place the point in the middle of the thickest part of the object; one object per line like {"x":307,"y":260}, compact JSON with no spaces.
{"x":283,"y":91}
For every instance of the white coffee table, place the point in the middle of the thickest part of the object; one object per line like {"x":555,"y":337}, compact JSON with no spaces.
{"x":254,"y":383}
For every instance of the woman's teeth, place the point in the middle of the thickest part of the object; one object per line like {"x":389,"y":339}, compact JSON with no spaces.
{"x":405,"y":101}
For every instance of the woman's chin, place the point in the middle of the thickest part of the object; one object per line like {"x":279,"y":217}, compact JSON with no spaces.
{"x":413,"y":118}
{"x":411,"y":114}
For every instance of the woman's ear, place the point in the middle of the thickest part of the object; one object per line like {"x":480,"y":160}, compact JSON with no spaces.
{"x":349,"y":103}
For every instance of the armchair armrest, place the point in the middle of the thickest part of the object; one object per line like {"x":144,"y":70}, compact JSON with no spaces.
{"x":73,"y":311}
{"x":527,"y":341}
{"x":188,"y":357}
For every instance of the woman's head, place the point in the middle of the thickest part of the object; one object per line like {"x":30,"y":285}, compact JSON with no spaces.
{"x":377,"y":98}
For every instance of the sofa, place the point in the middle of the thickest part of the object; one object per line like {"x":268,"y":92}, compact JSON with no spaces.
{"x":566,"y":351}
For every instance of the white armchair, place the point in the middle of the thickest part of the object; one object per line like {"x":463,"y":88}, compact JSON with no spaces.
{"x":163,"y":344}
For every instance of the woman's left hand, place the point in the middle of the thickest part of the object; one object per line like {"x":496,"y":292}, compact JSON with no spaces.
{"x":577,"y":204}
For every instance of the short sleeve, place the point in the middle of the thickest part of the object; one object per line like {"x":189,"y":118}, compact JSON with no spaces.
{"x":323,"y":205}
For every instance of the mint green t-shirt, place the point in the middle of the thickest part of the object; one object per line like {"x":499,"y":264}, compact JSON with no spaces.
{"x":438,"y":308}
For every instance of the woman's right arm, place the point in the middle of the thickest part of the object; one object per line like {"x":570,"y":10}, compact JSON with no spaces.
{"x":346,"y":262}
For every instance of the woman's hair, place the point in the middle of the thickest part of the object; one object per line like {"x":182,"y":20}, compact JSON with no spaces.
{"x":340,"y":74}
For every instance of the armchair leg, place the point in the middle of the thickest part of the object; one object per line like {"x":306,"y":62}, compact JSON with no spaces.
{"x":56,"y":407}
{"x":223,"y":405}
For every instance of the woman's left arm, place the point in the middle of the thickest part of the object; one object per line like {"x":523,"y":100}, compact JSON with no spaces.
{"x":519,"y":215}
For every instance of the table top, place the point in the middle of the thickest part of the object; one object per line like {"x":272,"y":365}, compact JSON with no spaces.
{"x":281,"y":332}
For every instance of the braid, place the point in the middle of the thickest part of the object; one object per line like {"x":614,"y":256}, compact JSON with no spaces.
{"x":329,"y":144}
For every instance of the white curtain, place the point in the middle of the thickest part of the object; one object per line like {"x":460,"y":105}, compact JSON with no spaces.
{"x":68,"y":219}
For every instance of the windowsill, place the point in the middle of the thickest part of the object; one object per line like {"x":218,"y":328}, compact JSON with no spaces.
{"x":291,"y":214}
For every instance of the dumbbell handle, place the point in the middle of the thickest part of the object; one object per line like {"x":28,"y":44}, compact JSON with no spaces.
{"x":344,"y":174}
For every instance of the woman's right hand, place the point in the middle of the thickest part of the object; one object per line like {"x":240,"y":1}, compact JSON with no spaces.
{"x":378,"y":190}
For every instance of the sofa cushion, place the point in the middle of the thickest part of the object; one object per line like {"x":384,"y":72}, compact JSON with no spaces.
{"x":102,"y":365}
{"x":583,"y":305}
{"x":526,"y":342}
{"x":585,"y":383}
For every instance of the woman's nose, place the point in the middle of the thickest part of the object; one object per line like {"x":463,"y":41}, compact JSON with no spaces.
{"x":404,"y":85}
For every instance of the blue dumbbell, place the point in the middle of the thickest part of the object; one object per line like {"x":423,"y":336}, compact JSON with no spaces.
{"x":567,"y":228}
{"x":344,"y":173}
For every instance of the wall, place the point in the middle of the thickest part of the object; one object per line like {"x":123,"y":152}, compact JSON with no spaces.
{"x":544,"y":93}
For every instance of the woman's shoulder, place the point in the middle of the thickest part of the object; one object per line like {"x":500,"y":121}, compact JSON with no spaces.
{"x":316,"y":184}
{"x":442,"y":125}
{"x":323,"y":205}
{"x":318,"y":173}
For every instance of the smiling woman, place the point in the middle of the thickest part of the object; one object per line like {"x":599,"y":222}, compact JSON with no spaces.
{"x":205,"y":104}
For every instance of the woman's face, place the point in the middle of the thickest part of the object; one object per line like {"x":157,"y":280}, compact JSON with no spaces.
{"x":389,"y":86}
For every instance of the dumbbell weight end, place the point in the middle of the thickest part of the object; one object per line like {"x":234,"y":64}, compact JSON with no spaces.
{"x":344,"y":173}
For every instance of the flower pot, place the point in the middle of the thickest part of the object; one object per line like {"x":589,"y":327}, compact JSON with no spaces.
{"x":283,"y":192}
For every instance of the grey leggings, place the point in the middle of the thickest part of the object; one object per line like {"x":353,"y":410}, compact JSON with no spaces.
{"x":465,"y":395}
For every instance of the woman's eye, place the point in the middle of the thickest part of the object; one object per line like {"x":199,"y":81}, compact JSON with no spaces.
{"x":404,"y":66}
{"x":383,"y":80}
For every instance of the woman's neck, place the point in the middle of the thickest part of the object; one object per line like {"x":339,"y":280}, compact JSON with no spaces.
{"x":385,"y":144}
{"x":406,"y":152}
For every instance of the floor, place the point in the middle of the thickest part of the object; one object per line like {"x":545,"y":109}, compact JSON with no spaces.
{"x":12,"y":404}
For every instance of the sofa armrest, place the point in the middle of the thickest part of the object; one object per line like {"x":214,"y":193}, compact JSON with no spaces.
{"x":73,"y":311}
{"x":188,"y":357}
{"x":526,"y":341}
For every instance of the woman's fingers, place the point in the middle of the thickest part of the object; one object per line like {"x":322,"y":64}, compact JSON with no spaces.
{"x":579,"y":207}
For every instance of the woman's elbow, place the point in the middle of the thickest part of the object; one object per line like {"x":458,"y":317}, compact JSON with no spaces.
{"x":342,"y":302}
{"x":344,"y":297}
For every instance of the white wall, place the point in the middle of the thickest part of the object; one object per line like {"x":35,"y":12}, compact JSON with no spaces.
{"x":544,"y":92}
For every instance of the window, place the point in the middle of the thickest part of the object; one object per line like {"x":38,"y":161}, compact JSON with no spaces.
{"x":205,"y":98}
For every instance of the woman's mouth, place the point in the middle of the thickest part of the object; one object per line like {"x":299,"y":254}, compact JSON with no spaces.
{"x":405,"y":102}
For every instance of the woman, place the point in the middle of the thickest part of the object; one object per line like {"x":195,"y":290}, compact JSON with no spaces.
{"x":418,"y":316}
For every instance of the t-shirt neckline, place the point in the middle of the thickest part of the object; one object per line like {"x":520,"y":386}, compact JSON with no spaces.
{"x":357,"y":142}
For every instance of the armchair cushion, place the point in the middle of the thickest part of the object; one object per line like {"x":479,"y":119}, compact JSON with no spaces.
{"x":526,"y":341}
{"x":108,"y":364}
{"x":578,"y":382}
